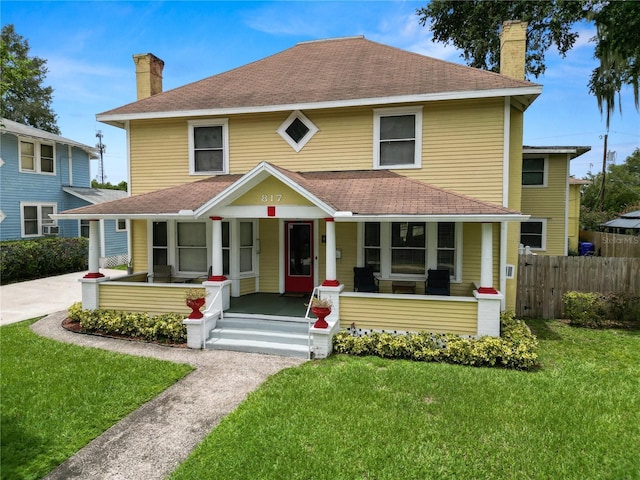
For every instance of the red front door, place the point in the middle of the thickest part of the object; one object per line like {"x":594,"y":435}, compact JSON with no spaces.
{"x":298,"y":276}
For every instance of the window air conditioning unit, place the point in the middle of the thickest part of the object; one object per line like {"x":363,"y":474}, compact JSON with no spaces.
{"x":50,"y":229}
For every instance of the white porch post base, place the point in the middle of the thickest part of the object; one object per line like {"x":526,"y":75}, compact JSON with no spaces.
{"x":332,"y":293}
{"x":90,"y":292}
{"x":198,"y":329}
{"x":488,"y":313}
{"x":322,"y":339}
{"x":223,"y":301}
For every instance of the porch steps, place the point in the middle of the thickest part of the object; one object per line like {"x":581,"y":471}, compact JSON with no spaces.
{"x":268,"y":334}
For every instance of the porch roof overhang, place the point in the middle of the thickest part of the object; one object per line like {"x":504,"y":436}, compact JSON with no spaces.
{"x":346,"y":196}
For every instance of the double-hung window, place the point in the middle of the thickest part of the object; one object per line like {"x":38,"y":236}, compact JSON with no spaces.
{"x":37,"y":157}
{"x":372,"y":245}
{"x":246,"y":247}
{"x":34,"y":216}
{"x":192,"y":246}
{"x":446,"y":248}
{"x":209,"y":147}
{"x":534,"y":172}
{"x":533,"y":233}
{"x":160,"y":243}
{"x":408,"y":248}
{"x":397,"y":134}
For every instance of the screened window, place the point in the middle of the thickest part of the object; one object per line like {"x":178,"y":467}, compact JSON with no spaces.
{"x":208,"y":142}
{"x":408,"y":248}
{"x":397,"y":135}
{"x":226,"y":246}
{"x":246,"y":247}
{"x":372,"y":246}
{"x":160,"y":243}
{"x":533,"y":171}
{"x":446,"y":256}
{"x":532,"y":234}
{"x":37,"y":157}
{"x":192,"y":246}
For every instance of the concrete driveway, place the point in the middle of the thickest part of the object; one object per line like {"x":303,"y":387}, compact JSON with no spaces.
{"x":24,"y":300}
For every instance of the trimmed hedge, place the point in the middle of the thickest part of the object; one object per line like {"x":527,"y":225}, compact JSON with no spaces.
{"x":516,"y":348}
{"x":594,"y":310}
{"x":165,"y":328}
{"x":42,"y":257}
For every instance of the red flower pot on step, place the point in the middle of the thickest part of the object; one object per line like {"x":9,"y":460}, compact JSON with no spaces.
{"x":321,"y":313}
{"x":195,"y":305}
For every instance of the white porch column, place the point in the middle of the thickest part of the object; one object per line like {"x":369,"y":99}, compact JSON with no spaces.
{"x":94,"y":250}
{"x":217,"y":274}
{"x":486,"y":261}
{"x":330,"y":254}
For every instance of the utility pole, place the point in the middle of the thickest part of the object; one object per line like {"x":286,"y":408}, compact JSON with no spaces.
{"x":604,"y":170}
{"x":101,"y":149}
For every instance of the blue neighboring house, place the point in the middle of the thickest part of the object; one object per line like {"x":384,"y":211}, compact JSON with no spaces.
{"x":43,"y":174}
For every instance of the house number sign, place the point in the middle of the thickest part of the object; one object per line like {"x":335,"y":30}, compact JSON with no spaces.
{"x":271,"y":198}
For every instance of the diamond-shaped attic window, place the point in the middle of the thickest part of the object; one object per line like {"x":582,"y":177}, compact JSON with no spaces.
{"x":297,"y":130}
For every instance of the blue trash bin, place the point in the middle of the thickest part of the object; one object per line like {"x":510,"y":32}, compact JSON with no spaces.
{"x":585,"y":248}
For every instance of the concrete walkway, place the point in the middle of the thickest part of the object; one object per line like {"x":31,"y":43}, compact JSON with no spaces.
{"x":152,"y":441}
{"x":24,"y":300}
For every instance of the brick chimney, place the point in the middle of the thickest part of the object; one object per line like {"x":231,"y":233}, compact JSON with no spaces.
{"x":513,"y":48}
{"x":148,"y":74}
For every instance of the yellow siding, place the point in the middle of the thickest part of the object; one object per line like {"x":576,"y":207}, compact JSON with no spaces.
{"x":347,"y":241}
{"x":247,"y":286}
{"x":515,"y":202}
{"x":153,"y":299}
{"x":409,"y":314}
{"x":458,"y":137}
{"x":159,"y":154}
{"x":272,"y":186}
{"x":269,"y":255}
{"x":139,"y":249}
{"x":574,"y":216}
{"x":463,"y":147}
{"x":550,"y":203}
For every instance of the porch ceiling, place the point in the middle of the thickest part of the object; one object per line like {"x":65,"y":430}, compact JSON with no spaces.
{"x":347,"y":193}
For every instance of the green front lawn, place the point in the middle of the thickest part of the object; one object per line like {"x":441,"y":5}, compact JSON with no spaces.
{"x":56,"y":397}
{"x":577,"y":417}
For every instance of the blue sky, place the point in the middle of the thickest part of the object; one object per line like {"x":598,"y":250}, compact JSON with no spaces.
{"x":89,"y":46}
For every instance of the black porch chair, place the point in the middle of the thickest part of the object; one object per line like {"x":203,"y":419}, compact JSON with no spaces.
{"x":364,"y":280}
{"x":438,"y":282}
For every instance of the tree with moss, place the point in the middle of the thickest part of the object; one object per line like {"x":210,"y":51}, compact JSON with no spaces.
{"x":474,"y":27}
{"x":24,"y":98}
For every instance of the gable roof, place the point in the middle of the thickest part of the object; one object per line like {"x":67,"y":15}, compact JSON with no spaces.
{"x":352,"y":194}
{"x":329,"y":73}
{"x":9,"y":126}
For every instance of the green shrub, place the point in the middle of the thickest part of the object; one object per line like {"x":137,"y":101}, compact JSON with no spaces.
{"x":595,"y":309}
{"x":42,"y":257}
{"x":516,"y":347}
{"x":164,"y":328}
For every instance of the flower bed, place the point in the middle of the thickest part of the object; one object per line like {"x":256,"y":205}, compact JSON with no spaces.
{"x":516,"y":347}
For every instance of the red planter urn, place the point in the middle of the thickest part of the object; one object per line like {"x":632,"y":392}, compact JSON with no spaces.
{"x":195,"y":305}
{"x":321,"y":313}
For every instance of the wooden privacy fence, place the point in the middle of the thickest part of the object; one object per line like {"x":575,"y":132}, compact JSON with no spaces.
{"x":543,"y":280}
{"x":612,"y":244}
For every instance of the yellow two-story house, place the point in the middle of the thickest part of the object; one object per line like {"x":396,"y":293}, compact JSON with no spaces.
{"x":386,"y":181}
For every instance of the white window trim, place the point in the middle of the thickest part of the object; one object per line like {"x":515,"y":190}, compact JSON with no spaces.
{"x":37,"y":161}
{"x":118,"y":229}
{"x":80,"y":228}
{"x":214,"y":122}
{"x":398,"y":111}
{"x":543,"y":221}
{"x":545,"y":174}
{"x":432,"y":249}
{"x":39,"y":206}
{"x":174,"y":248}
{"x":282,"y":131}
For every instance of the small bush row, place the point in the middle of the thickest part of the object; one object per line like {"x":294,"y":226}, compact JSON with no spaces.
{"x":597,"y":309}
{"x":42,"y":257}
{"x":165,"y":328}
{"x":516,"y":348}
